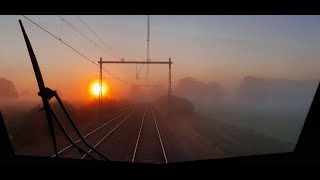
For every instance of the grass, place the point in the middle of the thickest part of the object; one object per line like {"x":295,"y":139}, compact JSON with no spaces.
{"x":30,"y":132}
{"x":285,"y":125}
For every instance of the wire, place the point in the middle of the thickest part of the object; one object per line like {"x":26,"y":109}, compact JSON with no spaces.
{"x":114,"y":76}
{"x":73,"y":49}
{"x":89,"y":38}
{"x":96,"y":35}
{"x":140,"y":69}
{"x":77,"y":30}
{"x":61,"y":28}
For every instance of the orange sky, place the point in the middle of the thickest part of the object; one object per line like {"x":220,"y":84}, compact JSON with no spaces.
{"x":209,"y":48}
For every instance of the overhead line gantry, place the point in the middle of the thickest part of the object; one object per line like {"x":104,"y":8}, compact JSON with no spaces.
{"x":139,"y":62}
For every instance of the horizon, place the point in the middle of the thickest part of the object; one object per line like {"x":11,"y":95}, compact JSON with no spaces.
{"x":241,"y":85}
{"x":222,"y":49}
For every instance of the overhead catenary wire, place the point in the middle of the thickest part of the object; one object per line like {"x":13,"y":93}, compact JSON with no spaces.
{"x":61,"y":28}
{"x":148,"y":47}
{"x":96,"y":35}
{"x":77,"y":30}
{"x":89,"y":38}
{"x":148,"y":39}
{"x":73,"y":48}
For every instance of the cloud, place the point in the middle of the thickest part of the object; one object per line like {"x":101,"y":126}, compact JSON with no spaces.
{"x":7,"y":89}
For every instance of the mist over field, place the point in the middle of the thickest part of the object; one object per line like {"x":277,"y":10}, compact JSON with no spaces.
{"x":274,"y":107}
{"x":258,"y":116}
{"x":241,"y":85}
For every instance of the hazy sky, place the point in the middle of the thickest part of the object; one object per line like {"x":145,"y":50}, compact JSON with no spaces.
{"x":209,"y":48}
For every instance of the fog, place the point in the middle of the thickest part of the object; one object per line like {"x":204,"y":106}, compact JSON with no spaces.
{"x":274,"y":107}
{"x":138,"y":93}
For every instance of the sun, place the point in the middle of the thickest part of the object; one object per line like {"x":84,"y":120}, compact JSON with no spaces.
{"x":95,"y":89}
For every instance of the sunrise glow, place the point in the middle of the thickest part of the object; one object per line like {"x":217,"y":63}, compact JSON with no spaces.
{"x":95,"y":89}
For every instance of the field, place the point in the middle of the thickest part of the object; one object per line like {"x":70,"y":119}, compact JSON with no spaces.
{"x":193,"y":134}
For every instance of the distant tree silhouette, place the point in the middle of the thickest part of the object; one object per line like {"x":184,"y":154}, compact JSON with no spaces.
{"x":179,"y":105}
{"x":8,"y":89}
{"x":191,"y":88}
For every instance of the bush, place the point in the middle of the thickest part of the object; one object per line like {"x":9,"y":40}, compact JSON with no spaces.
{"x":179,"y":106}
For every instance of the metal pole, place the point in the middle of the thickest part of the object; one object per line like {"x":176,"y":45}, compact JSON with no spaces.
{"x":169,"y":88}
{"x":148,"y":47}
{"x":100,"y":88}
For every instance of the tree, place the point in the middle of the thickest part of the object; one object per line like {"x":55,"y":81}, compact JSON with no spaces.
{"x":8,"y":89}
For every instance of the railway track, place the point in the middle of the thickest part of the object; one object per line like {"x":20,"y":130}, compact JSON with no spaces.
{"x":92,"y":138}
{"x":130,"y":137}
{"x":149,"y":146}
